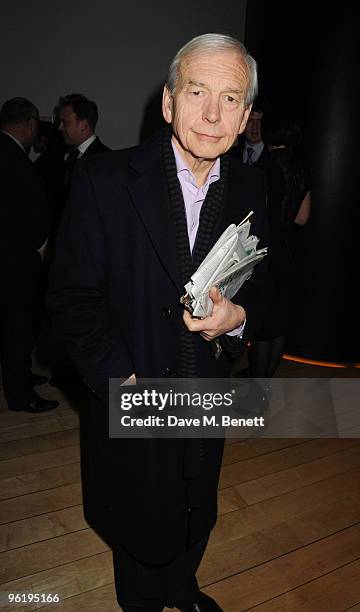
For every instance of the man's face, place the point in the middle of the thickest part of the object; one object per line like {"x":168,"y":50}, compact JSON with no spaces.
{"x":207,"y":111}
{"x":253,"y":127}
{"x":71,"y":127}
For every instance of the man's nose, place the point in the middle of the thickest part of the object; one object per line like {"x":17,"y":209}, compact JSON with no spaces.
{"x":211,"y":112}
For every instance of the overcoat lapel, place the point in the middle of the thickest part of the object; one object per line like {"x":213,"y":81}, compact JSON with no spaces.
{"x":149,"y":195}
{"x":237,"y":204}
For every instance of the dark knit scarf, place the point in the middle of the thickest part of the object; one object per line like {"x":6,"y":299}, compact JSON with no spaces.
{"x":209,"y":216}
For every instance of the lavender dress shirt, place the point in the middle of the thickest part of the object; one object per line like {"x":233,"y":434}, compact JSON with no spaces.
{"x":194,"y":197}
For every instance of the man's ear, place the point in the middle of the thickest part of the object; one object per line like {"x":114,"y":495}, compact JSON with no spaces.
{"x":167,"y":105}
{"x":244,"y":119}
{"x":84,"y":125}
{"x":32,"y":125}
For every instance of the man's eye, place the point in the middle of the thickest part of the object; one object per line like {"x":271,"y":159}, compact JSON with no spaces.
{"x":230,"y":99}
{"x":196,"y":92}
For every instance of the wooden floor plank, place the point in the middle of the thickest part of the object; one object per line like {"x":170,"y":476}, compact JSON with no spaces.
{"x":41,"y":527}
{"x":38,"y":427}
{"x":243,"y":449}
{"x":102,"y":599}
{"x":331,"y":593}
{"x":41,"y":443}
{"x":269,"y":580}
{"x":229,"y":500}
{"x":226,"y":557}
{"x":39,"y":461}
{"x":299,"y":476}
{"x":262,"y":446}
{"x":40,"y":556}
{"x":66,"y":580}
{"x":270,"y":512}
{"x":36,"y":503}
{"x":262,"y":465}
{"x":10,"y":418}
{"x":39,"y":481}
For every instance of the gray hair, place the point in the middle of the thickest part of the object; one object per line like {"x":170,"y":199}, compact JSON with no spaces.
{"x":214,"y":42}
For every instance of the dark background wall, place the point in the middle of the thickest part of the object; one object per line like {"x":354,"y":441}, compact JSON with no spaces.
{"x":308,"y":58}
{"x":116,"y":52}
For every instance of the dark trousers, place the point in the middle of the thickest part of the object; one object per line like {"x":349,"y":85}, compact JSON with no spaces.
{"x":20,"y":287}
{"x":172,"y":584}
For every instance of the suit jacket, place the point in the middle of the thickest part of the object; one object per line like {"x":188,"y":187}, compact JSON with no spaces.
{"x":262,"y":160}
{"x":96,"y":147}
{"x":25,"y":209}
{"x":26,"y":212}
{"x":114,"y":298}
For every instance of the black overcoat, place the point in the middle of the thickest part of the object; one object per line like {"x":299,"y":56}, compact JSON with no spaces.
{"x":114,"y":298}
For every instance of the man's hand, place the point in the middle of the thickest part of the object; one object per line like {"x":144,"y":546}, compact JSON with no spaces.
{"x":225,"y":317}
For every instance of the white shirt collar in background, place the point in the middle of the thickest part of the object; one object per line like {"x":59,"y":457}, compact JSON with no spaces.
{"x":85,"y":145}
{"x":258,"y":149}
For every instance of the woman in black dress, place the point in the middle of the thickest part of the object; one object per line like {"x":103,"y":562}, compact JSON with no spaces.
{"x":288,"y":206}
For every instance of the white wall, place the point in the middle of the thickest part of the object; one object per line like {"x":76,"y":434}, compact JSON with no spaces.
{"x":116,"y":53}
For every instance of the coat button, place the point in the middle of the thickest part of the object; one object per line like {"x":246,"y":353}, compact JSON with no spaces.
{"x":166,"y":312}
{"x":165,"y":371}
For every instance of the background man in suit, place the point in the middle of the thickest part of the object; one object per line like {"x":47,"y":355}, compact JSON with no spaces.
{"x":76,"y":119}
{"x":251,"y":148}
{"x":253,"y":145}
{"x":25,"y":223}
{"x":130,"y":238}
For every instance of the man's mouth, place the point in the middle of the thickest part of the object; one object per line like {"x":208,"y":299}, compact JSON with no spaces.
{"x":208,"y":137}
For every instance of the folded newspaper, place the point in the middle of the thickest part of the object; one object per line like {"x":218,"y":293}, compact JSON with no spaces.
{"x":227,"y":266}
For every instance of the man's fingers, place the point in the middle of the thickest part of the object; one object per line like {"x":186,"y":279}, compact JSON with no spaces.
{"x":206,"y":336}
{"x":215,"y":295}
{"x":193,"y":325}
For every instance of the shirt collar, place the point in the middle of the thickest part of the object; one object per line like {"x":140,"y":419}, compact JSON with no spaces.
{"x":187,"y":175}
{"x":258,"y":147}
{"x":14,"y":139}
{"x":86,"y":144}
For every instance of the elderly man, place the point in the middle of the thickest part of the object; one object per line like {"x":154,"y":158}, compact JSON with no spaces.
{"x":138,"y":223}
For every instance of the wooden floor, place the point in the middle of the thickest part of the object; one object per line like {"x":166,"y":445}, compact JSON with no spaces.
{"x":287,"y":537}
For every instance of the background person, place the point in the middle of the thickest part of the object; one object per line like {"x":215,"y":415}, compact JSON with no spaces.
{"x":26,"y":217}
{"x":76,"y":117}
{"x":288,"y":207}
{"x":251,"y":148}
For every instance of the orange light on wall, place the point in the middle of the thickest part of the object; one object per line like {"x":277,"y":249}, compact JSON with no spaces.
{"x":327,"y":364}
